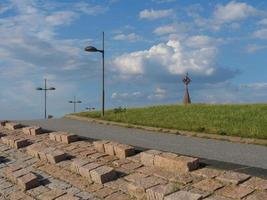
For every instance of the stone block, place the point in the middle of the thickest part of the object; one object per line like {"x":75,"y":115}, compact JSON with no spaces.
{"x":180,"y":164}
{"x":52,"y":136}
{"x":183,"y":195}
{"x":99,"y":145}
{"x":20,"y":143}
{"x":26,"y":130}
{"x":122,"y":151}
{"x":12,"y":125}
{"x":28,"y":181}
{"x":118,"y":196}
{"x":85,"y":169}
{"x":109,"y":148}
{"x":77,"y":163}
{"x":58,"y":137}
{"x":36,"y":130}
{"x":68,"y":138}
{"x":55,"y":156}
{"x":158,"y":192}
{"x":15,"y":175}
{"x":103,"y":174}
{"x":3,"y":123}
{"x":147,"y":157}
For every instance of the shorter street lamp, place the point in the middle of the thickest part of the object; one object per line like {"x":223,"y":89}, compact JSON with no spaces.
{"x":74,"y":103}
{"x":90,"y":109}
{"x":45,"y":89}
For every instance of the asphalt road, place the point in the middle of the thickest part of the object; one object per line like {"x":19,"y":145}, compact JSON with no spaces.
{"x":247,"y":158}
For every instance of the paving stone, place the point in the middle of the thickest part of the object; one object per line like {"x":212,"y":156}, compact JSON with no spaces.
{"x":147,"y":157}
{"x":104,"y":192}
{"x":99,"y":145}
{"x":67,"y":197}
{"x":158,"y":192}
{"x":138,"y":188}
{"x":256,"y":183}
{"x":135,"y":177}
{"x":209,"y":185}
{"x":233,"y":177}
{"x":183,"y":195}
{"x":85,"y":195}
{"x":215,"y":197}
{"x":28,"y":181}
{"x":236,"y":192}
{"x":18,"y":195}
{"x":118,"y":163}
{"x":135,"y":158}
{"x":118,"y":184}
{"x":179,"y":164}
{"x":85,"y":169}
{"x":259,"y":195}
{"x":122,"y":151}
{"x":131,"y":166}
{"x":184,"y":178}
{"x":37,"y":190}
{"x":77,"y":163}
{"x":15,"y":175}
{"x":118,"y":196}
{"x":207,"y":172}
{"x":51,"y":194}
{"x":73,"y":190}
{"x":103,"y":174}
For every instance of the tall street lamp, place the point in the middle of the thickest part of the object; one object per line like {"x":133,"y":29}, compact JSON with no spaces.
{"x":74,"y":103}
{"x":93,"y":49}
{"x":45,"y":89}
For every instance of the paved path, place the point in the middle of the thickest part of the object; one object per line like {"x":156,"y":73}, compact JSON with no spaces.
{"x":245,"y":157}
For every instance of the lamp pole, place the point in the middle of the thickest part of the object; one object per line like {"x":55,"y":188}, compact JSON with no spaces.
{"x":74,"y":103}
{"x":45,"y":89}
{"x":93,"y":49}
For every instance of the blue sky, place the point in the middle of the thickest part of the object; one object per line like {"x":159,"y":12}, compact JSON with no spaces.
{"x":150,"y":46}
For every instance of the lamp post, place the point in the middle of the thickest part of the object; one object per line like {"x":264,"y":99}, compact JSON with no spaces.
{"x":93,"y":49}
{"x":45,"y":89}
{"x":90,"y":108}
{"x":74,"y":103}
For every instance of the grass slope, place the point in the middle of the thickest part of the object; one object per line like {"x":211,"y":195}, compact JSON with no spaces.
{"x":234,"y":120}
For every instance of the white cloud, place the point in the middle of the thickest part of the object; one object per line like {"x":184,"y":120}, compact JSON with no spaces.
{"x":171,"y":58}
{"x":263,"y":21}
{"x":255,"y":85}
{"x":131,"y":37}
{"x":126,"y":95}
{"x":260,"y":34}
{"x":89,"y":9}
{"x":167,"y":29}
{"x":155,"y":14}
{"x":158,"y":94}
{"x":202,"y":41}
{"x":254,"y":47}
{"x":234,"y":11}
{"x":60,"y":18}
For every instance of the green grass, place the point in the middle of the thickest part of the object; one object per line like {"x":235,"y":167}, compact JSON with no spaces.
{"x":234,"y":120}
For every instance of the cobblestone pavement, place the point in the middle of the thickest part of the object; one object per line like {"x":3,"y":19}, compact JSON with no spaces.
{"x":38,"y":165}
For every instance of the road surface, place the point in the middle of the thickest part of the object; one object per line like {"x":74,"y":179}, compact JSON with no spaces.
{"x":246,"y":158}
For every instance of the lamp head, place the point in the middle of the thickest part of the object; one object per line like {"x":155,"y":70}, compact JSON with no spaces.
{"x":52,"y":88}
{"x":39,"y":88}
{"x":91,"y":49}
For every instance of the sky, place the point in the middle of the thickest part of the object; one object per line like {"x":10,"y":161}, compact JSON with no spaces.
{"x":149,"y":47}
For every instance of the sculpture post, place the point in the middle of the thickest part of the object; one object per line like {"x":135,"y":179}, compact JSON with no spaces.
{"x":187,"y":81}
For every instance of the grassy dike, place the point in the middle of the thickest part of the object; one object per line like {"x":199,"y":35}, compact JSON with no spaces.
{"x":249,"y":121}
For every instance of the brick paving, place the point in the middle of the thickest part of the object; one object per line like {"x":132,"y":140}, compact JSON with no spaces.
{"x":38,"y":165}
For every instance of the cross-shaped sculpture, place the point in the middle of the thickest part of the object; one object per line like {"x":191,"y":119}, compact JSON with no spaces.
{"x":186,"y":81}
